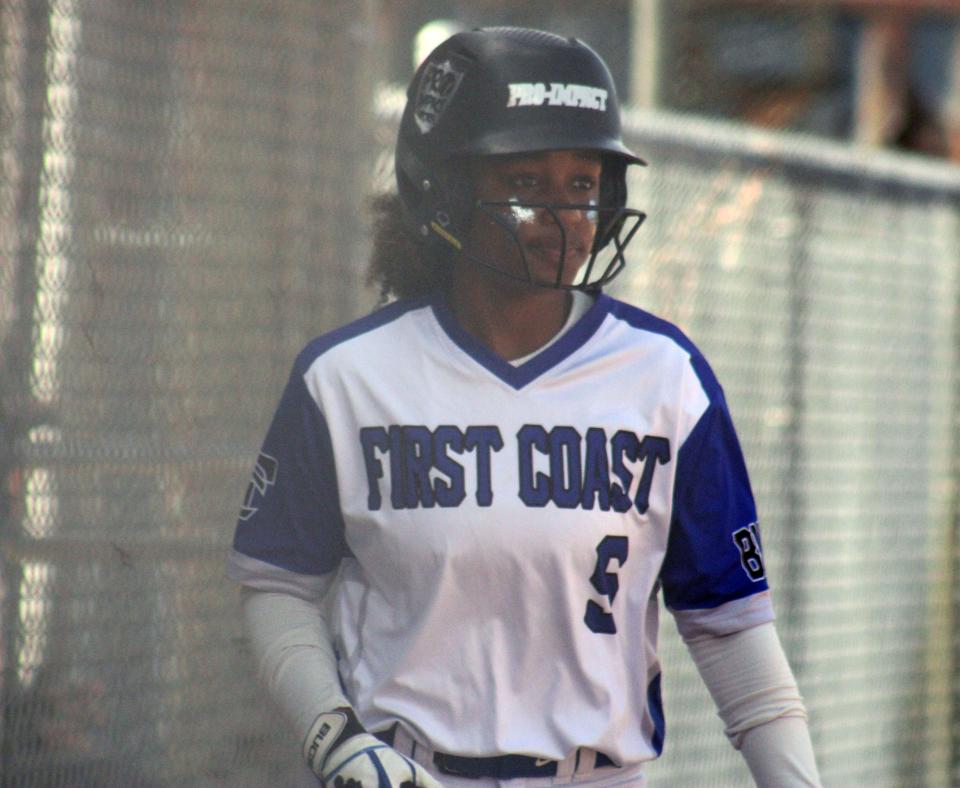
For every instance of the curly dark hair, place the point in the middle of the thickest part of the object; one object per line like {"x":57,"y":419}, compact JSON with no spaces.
{"x":401,"y":265}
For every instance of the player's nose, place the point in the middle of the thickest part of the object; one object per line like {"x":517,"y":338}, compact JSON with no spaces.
{"x":575,"y":225}
{"x":560,"y":199}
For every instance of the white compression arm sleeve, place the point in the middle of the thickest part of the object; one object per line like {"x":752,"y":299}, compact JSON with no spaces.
{"x":293,"y":650}
{"x":757,"y":698}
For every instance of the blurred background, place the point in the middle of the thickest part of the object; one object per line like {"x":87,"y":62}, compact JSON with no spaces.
{"x":182,"y":206}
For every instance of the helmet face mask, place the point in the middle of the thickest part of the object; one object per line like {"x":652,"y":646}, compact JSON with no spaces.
{"x":574,"y":268}
{"x":511,"y":91}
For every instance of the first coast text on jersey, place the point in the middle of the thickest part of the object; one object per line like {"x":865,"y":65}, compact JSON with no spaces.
{"x":426,"y":466}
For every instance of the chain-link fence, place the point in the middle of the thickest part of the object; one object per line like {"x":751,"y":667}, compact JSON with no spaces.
{"x":823,"y":285}
{"x":180,"y":192}
{"x":181,"y":209}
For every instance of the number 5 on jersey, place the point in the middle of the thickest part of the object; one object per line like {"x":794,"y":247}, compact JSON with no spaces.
{"x":606,"y":582}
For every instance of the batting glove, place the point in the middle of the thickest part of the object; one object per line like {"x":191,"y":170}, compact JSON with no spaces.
{"x":343,"y":755}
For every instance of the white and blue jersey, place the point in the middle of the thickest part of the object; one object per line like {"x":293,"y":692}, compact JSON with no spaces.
{"x":501,"y":532}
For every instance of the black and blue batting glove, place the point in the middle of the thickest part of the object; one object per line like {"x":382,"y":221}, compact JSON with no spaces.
{"x":343,"y":755}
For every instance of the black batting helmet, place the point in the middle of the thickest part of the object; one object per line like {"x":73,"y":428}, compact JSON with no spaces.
{"x":504,"y":90}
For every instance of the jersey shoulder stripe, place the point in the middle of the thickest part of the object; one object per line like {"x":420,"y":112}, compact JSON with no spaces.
{"x":364,"y":325}
{"x":645,"y":321}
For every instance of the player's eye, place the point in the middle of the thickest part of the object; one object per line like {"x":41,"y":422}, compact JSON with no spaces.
{"x":524,"y":180}
{"x":585,"y":183}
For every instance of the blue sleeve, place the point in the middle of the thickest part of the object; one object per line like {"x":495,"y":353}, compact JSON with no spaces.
{"x":713,"y":552}
{"x":291,"y":516}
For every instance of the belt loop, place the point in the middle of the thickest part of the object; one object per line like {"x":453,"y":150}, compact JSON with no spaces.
{"x":567,"y":768}
{"x":586,"y":760}
{"x":404,"y":743}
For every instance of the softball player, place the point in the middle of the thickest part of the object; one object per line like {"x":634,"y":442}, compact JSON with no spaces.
{"x":468,"y":502}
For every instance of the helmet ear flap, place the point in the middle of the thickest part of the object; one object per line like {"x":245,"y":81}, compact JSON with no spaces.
{"x":438,"y":200}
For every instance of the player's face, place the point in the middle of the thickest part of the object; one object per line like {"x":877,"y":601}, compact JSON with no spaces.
{"x":544,"y":245}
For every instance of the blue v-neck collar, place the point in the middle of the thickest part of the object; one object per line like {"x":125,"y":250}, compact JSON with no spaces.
{"x":547,"y":359}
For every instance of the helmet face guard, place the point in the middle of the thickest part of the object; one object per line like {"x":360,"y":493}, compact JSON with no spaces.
{"x":603,"y":263}
{"x":512,"y":91}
